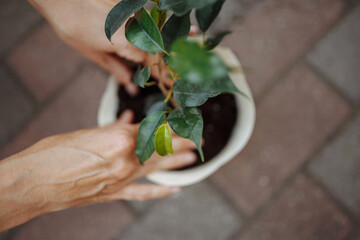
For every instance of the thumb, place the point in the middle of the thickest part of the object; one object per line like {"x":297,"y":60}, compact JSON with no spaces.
{"x":194,"y":30}
{"x":126,"y":117}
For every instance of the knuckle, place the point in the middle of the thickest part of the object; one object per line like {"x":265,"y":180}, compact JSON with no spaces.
{"x":120,"y":143}
{"x":124,"y":169}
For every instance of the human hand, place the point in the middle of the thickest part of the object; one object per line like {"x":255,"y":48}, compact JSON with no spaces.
{"x":81,"y":23}
{"x":82,"y":167}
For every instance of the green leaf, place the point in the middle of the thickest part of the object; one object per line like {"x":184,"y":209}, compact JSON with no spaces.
{"x":117,"y":16}
{"x":145,"y":140}
{"x":154,"y":103}
{"x":222,"y":85}
{"x":194,"y":63}
{"x":156,"y":16}
{"x":188,"y":123}
{"x":141,"y":76}
{"x":181,"y":7}
{"x":157,"y":107}
{"x":207,"y":15}
{"x":190,"y":95}
{"x":163,"y":140}
{"x":175,"y":28}
{"x":143,"y":33}
{"x":211,"y":43}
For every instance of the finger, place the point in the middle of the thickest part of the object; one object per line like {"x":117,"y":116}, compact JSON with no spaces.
{"x":113,"y":65}
{"x":153,"y":61}
{"x":157,"y":163}
{"x":175,"y":161}
{"x":126,"y":117}
{"x":180,"y":144}
{"x":122,"y":73}
{"x":113,"y":127}
{"x":140,"y":192}
{"x":194,"y":30}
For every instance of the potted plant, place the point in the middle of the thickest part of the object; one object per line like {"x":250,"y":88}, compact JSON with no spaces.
{"x":207,"y":79}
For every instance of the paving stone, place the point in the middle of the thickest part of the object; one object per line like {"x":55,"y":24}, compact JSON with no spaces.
{"x":140,"y":207}
{"x":199,"y":212}
{"x":99,"y":221}
{"x":338,"y":55}
{"x":276,"y":33}
{"x":231,"y":13}
{"x":337,"y":166}
{"x":293,"y":120}
{"x":15,"y":107}
{"x":45,"y":63}
{"x":356,"y":235}
{"x":74,"y":109}
{"x":16,"y":18}
{"x":302,"y":212}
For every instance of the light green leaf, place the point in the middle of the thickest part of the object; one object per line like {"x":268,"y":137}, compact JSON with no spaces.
{"x":194,"y":63}
{"x":163,"y":140}
{"x":188,"y":123}
{"x":207,"y":15}
{"x":181,"y":7}
{"x":211,"y":43}
{"x":143,"y":33}
{"x":190,"y":95}
{"x":122,"y":11}
{"x":145,"y":140}
{"x":175,"y":28}
{"x":141,"y":76}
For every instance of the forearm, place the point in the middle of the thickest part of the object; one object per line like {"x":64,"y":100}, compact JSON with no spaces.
{"x":17,"y":203}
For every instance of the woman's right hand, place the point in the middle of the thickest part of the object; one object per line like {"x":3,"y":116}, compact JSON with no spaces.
{"x":82,"y":167}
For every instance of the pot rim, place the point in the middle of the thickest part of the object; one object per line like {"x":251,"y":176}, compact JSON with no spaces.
{"x":242,"y":131}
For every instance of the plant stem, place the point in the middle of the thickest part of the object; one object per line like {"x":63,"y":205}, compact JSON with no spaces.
{"x":168,"y":97}
{"x":161,"y":84}
{"x":161,"y":16}
{"x":203,"y":39}
{"x":148,"y":84}
{"x":171,"y":73}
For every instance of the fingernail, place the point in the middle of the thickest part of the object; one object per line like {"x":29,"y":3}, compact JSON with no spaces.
{"x":132,"y":89}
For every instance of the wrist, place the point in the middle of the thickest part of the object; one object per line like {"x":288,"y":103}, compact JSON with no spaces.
{"x":21,"y":204}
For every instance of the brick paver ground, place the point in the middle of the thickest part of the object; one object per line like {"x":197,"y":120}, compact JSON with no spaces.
{"x":337,"y":56}
{"x":338,"y":166}
{"x":93,"y":222}
{"x":303,"y":211}
{"x":196,"y":213}
{"x":37,"y":59}
{"x":292,"y":122}
{"x":299,"y":176}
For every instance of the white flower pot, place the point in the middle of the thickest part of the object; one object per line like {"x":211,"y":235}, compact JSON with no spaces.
{"x":239,"y":138}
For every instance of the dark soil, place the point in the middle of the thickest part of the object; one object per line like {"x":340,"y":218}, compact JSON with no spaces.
{"x":219,"y":114}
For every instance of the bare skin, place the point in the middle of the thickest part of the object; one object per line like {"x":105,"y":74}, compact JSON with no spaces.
{"x":82,"y":167}
{"x":92,"y":165}
{"x":80,"y":23}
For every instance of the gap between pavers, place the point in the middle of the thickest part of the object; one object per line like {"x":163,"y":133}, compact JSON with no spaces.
{"x":198,"y":212}
{"x":337,"y":166}
{"x":337,"y":56}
